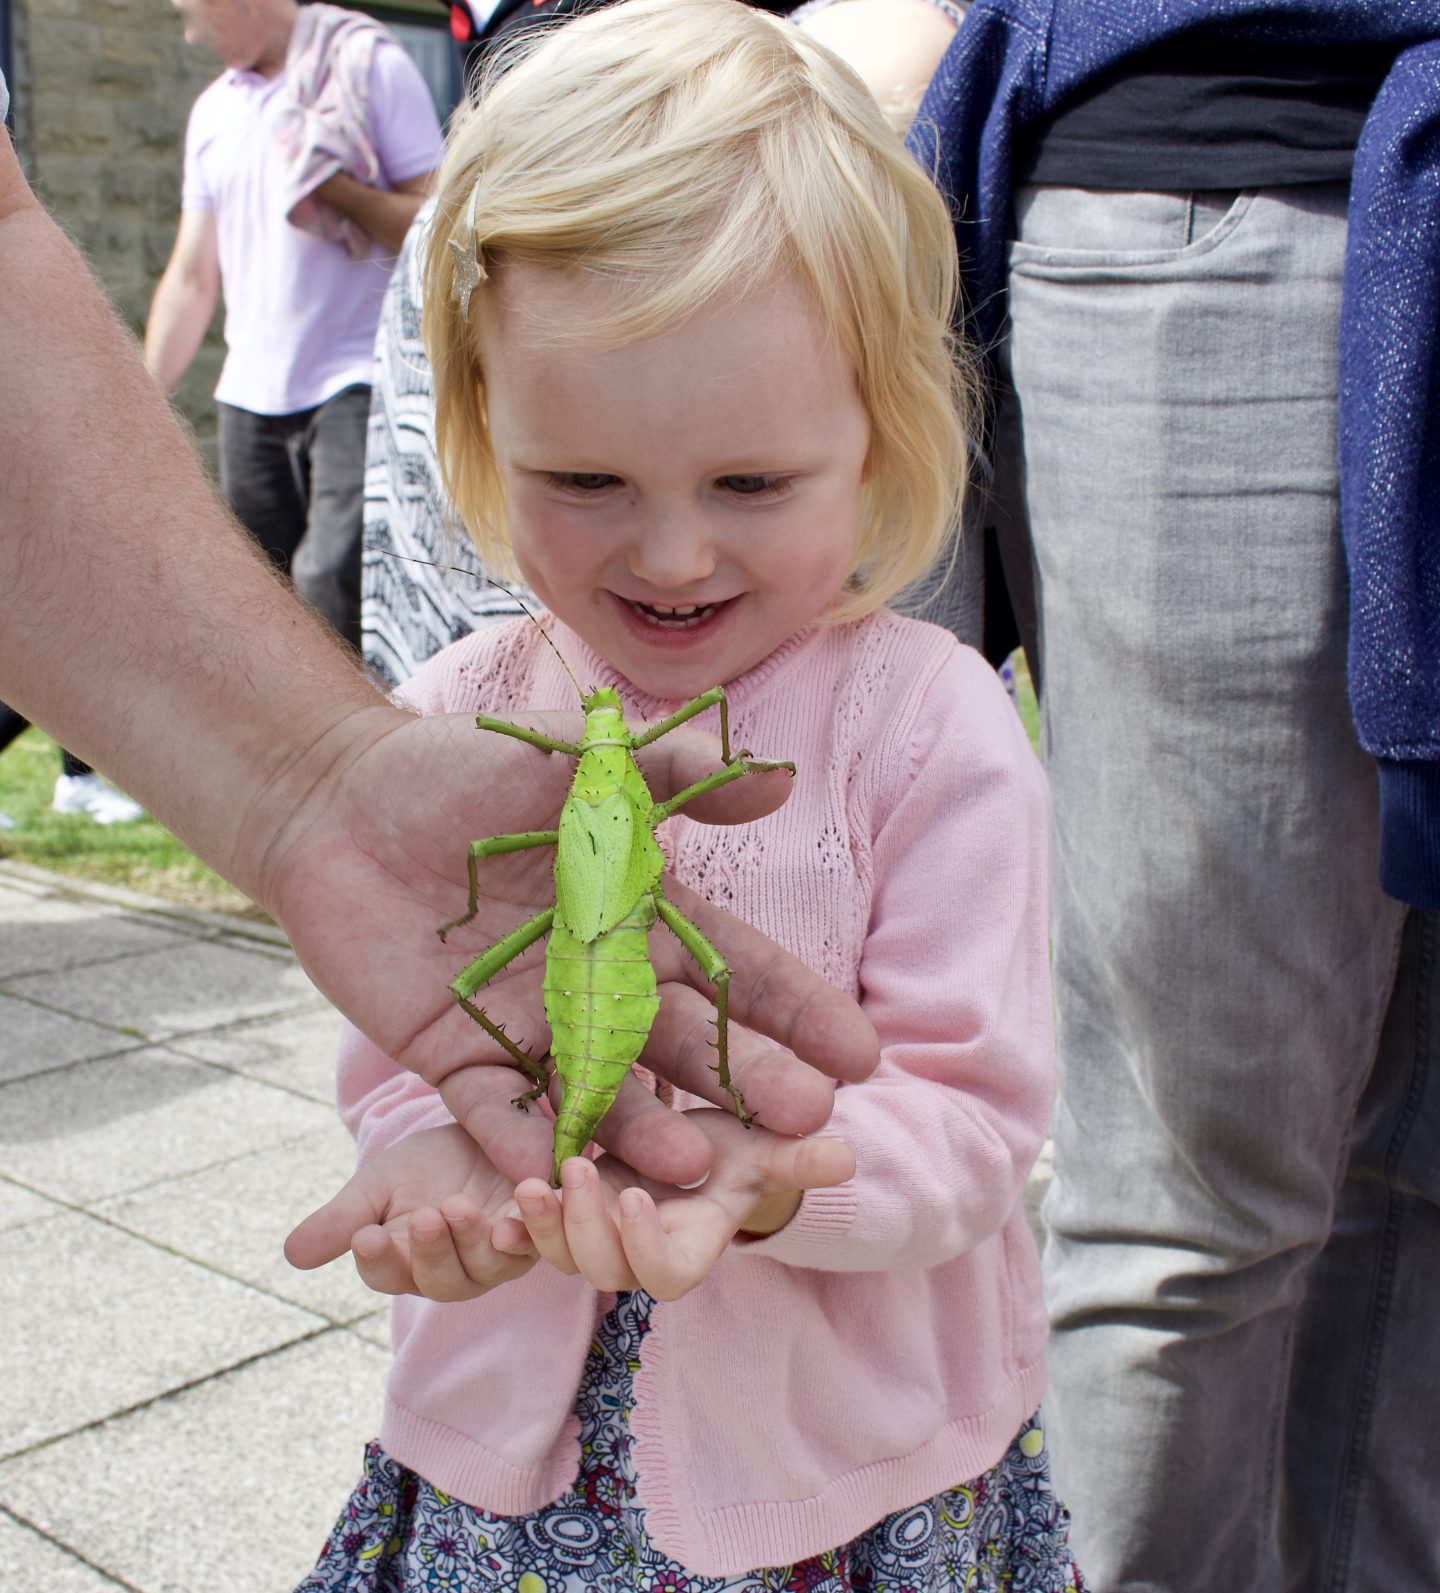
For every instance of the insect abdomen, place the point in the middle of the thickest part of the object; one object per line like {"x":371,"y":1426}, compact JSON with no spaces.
{"x":600,"y":1001}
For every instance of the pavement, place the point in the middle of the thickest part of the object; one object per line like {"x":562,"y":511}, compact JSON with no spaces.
{"x":182,"y":1412}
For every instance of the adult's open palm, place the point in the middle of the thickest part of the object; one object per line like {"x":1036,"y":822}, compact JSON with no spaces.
{"x":369,"y":867}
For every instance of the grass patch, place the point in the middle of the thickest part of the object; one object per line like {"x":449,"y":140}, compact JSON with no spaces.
{"x":141,"y":855}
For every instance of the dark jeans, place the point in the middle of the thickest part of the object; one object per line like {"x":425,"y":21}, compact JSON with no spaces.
{"x":296,"y":482}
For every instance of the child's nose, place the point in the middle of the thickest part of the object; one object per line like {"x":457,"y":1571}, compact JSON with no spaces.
{"x":672,"y":549}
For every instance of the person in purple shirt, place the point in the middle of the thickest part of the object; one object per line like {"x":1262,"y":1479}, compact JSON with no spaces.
{"x":309,"y":98}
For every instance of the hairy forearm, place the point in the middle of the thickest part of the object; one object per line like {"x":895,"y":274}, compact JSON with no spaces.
{"x":383,"y":213}
{"x":137,"y":623}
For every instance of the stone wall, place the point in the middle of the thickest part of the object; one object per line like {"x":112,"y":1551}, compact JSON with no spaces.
{"x":103,"y":89}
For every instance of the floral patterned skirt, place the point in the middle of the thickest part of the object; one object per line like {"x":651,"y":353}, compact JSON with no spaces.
{"x":1003,"y":1531}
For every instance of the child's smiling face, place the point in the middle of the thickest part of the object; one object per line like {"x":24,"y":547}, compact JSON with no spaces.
{"x":687,"y":502}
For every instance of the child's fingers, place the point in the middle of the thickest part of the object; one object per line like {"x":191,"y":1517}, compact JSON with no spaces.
{"x":666,"y":1265}
{"x":475,"y":1245}
{"x":591,"y":1235}
{"x":326,"y":1233}
{"x":436,"y":1264}
{"x":510,"y":1237}
{"x":381,"y":1261}
{"x":540,"y":1212}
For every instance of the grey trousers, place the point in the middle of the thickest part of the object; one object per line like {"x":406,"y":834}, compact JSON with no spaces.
{"x":296,"y":482}
{"x":1243,"y":1235}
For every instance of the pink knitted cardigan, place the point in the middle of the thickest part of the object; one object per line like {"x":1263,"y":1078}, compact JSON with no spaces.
{"x":888,"y":1342}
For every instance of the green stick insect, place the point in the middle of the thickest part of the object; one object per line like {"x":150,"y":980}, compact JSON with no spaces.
{"x":599,"y":989}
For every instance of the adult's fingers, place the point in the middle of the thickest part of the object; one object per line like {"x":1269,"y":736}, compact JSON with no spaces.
{"x":662,"y":1144}
{"x":678,"y":760}
{"x":773,"y":992}
{"x":481,"y":1098}
{"x":535,"y":783}
{"x":780,"y":1091}
{"x":656,"y":1141}
{"x":757,"y":1163}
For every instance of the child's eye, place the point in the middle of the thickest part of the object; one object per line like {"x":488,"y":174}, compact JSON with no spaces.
{"x":580,"y":480}
{"x":753,"y":486}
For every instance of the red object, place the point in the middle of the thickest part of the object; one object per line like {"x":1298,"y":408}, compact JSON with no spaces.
{"x":462,"y":24}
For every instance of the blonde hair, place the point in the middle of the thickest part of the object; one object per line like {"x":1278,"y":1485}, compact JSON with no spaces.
{"x":690,"y":152}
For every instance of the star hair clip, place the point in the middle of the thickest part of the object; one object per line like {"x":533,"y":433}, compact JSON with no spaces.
{"x":469,"y":273}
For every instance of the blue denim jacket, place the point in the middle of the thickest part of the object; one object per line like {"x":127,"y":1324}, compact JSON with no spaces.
{"x":1014,"y":61}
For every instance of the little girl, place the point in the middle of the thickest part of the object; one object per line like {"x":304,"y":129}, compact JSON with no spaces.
{"x":687,"y":302}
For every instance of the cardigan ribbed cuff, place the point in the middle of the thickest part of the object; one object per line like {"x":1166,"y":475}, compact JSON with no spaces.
{"x":1410,"y":831}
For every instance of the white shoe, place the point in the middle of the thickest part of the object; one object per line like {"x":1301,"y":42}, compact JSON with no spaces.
{"x":94,"y":797}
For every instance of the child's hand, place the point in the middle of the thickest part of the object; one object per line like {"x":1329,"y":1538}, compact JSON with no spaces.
{"x":623,"y":1234}
{"x":418,"y":1220}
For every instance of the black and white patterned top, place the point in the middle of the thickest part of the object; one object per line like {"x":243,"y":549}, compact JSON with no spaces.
{"x":410,"y":610}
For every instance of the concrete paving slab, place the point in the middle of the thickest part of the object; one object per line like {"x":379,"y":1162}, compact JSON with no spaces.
{"x":58,"y":932}
{"x":296,"y":1051}
{"x":375,"y":1327}
{"x":178,"y":988}
{"x":36,"y":1565}
{"x":252,"y":925}
{"x":97,"y":1321}
{"x":229,"y":1487}
{"x":105,"y":1128}
{"x":234,"y":1218}
{"x":26,"y":880}
{"x":12,"y":895}
{"x":35,"y":1039}
{"x":19,"y":1205}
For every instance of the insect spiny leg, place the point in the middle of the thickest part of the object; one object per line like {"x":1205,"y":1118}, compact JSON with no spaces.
{"x":535,"y":1071}
{"x":722,"y":1048}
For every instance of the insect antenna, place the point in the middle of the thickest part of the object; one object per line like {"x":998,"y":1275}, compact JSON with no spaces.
{"x":510,"y":593}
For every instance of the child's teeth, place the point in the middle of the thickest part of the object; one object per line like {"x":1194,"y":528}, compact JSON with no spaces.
{"x":664,"y":611}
